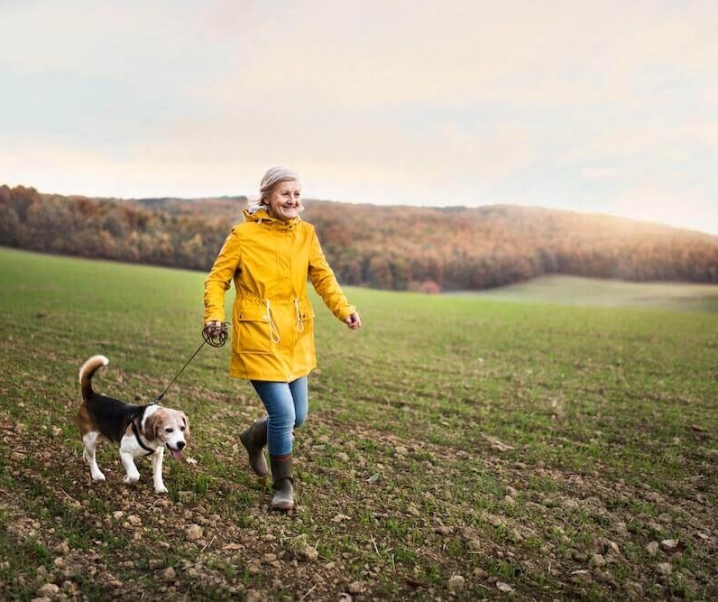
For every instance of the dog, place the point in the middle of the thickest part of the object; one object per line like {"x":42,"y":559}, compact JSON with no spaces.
{"x":138,"y":430}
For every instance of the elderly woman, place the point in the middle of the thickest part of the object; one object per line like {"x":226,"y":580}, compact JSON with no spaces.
{"x":269,"y":257}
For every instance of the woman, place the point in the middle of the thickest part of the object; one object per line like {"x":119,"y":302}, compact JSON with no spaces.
{"x":269,"y":257}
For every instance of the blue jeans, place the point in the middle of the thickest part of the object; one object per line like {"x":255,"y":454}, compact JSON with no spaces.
{"x":287,"y":405}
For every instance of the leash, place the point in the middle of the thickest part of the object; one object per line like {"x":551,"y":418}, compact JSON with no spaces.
{"x":214,"y":336}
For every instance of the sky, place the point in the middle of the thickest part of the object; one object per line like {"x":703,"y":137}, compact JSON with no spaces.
{"x":599,"y":106}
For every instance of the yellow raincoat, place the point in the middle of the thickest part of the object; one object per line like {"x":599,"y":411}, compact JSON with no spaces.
{"x":272,"y":318}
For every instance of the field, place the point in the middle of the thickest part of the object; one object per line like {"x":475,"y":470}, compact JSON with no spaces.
{"x":457,"y":447}
{"x":572,"y":290}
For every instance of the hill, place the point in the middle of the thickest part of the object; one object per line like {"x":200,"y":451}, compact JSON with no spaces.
{"x":400,"y":248}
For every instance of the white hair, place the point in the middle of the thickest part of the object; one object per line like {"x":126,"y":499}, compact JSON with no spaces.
{"x":274,"y":176}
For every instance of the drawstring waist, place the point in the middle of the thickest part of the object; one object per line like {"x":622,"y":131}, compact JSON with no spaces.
{"x":300,"y":324}
{"x":273,"y":330}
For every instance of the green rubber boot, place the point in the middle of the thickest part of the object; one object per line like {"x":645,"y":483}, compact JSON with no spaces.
{"x":254,"y":439}
{"x":283,"y":482}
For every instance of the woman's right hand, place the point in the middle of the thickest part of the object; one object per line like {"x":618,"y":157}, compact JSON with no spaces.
{"x":213,"y":327}
{"x":215,"y":333}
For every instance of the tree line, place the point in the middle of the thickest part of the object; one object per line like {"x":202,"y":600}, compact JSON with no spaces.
{"x":107,"y":229}
{"x":400,"y":248}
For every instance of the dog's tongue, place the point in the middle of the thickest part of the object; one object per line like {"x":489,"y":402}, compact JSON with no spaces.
{"x":176,"y":453}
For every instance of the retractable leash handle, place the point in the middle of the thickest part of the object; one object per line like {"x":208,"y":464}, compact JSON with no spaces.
{"x":214,"y":336}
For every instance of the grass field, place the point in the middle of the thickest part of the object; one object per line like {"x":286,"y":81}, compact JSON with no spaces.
{"x":571,"y":290}
{"x":457,"y":448}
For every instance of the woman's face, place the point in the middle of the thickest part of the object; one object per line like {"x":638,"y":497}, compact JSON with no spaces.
{"x":285,"y":200}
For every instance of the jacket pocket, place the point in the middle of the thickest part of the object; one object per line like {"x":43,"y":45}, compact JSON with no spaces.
{"x":252,"y":324}
{"x":304,"y":312}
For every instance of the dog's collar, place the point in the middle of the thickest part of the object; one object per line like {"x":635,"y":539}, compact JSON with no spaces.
{"x":139,"y":440}
{"x":136,"y":432}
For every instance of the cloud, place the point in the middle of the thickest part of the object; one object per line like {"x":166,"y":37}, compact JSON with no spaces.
{"x":570,"y":105}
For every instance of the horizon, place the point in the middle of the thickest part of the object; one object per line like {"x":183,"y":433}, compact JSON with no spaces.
{"x":597,"y":108}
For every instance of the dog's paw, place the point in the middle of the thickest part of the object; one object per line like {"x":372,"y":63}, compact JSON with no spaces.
{"x":131,"y":479}
{"x":161,"y":489}
{"x":98,"y":476}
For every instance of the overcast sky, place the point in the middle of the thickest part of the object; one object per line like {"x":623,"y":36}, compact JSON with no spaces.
{"x":592,"y":106}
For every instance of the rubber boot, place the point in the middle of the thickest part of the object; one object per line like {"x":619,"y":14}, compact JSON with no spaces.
{"x":254,"y":439}
{"x":283,"y":482}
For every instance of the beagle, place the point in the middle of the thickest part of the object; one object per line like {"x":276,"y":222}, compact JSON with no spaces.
{"x":138,"y":430}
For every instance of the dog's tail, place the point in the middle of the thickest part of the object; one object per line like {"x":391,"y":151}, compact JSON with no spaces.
{"x":88,"y":371}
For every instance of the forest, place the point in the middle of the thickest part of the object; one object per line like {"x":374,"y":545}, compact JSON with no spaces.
{"x":395,"y":247}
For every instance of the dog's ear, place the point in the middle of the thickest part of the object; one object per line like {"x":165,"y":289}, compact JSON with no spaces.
{"x":186,"y":425}
{"x":153,"y":424}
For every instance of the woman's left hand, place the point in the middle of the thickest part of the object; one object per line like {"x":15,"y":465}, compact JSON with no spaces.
{"x":353,"y":322}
